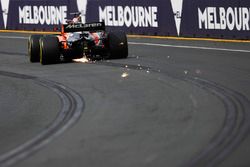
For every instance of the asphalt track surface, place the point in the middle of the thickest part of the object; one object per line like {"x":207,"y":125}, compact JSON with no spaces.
{"x":170,"y":103}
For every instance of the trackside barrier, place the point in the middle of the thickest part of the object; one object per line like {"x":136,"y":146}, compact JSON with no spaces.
{"x":228,"y":19}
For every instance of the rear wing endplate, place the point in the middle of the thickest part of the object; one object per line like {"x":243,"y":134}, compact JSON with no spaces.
{"x":77,"y":27}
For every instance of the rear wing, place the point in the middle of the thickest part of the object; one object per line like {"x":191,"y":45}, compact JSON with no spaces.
{"x":77,"y":27}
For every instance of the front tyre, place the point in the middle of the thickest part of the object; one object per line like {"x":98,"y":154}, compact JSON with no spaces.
{"x":49,"y":50}
{"x":34,"y":48}
{"x":117,"y":45}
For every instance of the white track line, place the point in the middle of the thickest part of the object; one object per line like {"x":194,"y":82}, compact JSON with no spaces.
{"x":160,"y":45}
{"x":189,"y":47}
{"x":13,"y":37}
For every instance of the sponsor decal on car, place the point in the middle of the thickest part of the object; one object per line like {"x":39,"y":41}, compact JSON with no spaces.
{"x":89,"y":25}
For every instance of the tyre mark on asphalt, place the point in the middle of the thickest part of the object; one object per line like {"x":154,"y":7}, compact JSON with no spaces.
{"x":236,"y":124}
{"x":72,"y":107}
{"x":234,"y":130}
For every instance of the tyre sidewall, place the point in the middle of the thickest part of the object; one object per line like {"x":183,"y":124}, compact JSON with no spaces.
{"x":117,"y":45}
{"x":49,"y":50}
{"x":34,"y":48}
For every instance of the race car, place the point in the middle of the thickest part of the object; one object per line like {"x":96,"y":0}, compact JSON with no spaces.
{"x":76,"y":41}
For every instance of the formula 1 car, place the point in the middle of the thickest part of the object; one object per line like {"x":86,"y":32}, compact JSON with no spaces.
{"x":76,"y":41}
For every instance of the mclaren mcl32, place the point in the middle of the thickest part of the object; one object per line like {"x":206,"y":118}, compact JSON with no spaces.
{"x":76,"y":41}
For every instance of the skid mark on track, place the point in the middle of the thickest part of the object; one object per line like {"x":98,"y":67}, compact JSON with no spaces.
{"x":234,"y":130}
{"x":72,"y":108}
{"x":236,"y":124}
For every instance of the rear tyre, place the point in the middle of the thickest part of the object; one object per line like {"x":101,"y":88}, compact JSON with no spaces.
{"x":49,"y":50}
{"x":117,"y":45}
{"x":34,"y":48}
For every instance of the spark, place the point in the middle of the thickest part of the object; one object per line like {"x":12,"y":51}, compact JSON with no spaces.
{"x":81,"y":60}
{"x":125,"y":75}
{"x":198,"y":71}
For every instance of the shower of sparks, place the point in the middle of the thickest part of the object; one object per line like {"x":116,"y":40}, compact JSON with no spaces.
{"x":81,"y":60}
{"x":125,"y":75}
{"x":198,"y":71}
